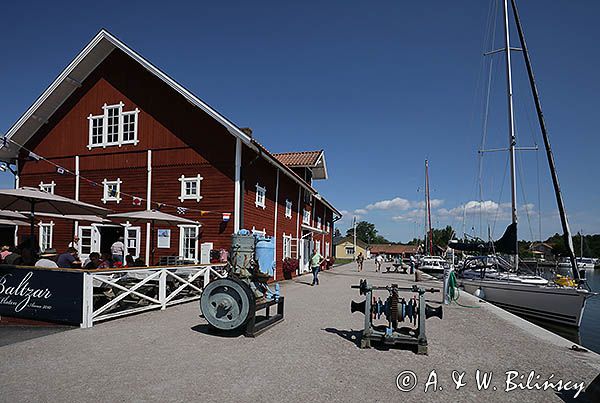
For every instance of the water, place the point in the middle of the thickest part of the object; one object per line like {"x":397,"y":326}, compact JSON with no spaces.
{"x":590,"y":324}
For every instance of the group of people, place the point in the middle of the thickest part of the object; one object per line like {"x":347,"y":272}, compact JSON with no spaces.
{"x":24,"y":255}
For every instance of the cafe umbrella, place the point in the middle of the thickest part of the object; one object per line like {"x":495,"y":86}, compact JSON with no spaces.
{"x":10,"y":215}
{"x":153,"y":217}
{"x":34,"y":200}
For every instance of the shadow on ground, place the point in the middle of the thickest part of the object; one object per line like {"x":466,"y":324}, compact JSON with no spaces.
{"x":354,"y":336}
{"x":15,"y":334}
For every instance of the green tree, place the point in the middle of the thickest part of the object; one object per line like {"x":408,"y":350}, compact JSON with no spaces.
{"x":442,"y":236}
{"x":337,"y":233}
{"x":366,"y":232}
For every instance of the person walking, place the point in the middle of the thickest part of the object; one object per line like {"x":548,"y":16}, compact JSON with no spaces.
{"x":315,"y":263}
{"x":359,"y":260}
{"x":378,"y":262}
{"x":118,"y":251}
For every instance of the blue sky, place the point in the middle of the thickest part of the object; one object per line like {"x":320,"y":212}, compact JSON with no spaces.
{"x":380,"y":86}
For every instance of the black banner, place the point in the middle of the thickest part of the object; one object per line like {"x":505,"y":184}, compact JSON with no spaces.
{"x":45,"y":295}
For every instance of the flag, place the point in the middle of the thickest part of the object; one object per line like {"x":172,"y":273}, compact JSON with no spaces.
{"x":226,"y":217}
{"x":60,"y":170}
{"x":34,"y":156}
{"x":137,"y":201}
{"x":181,"y":210}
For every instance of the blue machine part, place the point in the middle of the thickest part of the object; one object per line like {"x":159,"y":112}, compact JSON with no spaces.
{"x":265,"y":254}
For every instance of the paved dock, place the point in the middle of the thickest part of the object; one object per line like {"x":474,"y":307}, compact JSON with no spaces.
{"x":312,"y":356}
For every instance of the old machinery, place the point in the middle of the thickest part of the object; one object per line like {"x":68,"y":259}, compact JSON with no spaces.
{"x":231,"y":304}
{"x":401,"y":313}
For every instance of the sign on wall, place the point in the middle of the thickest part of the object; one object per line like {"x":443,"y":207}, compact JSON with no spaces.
{"x":45,"y":295}
{"x":164,"y":238}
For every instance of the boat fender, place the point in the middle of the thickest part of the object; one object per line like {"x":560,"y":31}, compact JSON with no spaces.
{"x":479,"y":293}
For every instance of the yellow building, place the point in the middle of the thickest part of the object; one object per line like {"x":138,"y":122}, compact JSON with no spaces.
{"x":344,"y":248}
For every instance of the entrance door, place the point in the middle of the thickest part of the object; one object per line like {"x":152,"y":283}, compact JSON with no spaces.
{"x":306,"y":252}
{"x":89,"y":241}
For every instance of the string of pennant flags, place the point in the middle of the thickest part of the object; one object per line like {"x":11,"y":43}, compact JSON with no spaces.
{"x":136,"y":200}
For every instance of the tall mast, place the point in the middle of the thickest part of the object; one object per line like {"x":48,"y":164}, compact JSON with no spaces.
{"x":511,"y":128}
{"x":538,"y":106}
{"x":428,"y":206}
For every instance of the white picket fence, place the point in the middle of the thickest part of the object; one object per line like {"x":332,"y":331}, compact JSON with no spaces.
{"x":110,"y":294}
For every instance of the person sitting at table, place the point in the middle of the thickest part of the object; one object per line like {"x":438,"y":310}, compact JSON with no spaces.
{"x":48,"y":259}
{"x":93,"y":261}
{"x":68,"y":259}
{"x":5,"y":252}
{"x":106,"y":261}
{"x":129,"y":262}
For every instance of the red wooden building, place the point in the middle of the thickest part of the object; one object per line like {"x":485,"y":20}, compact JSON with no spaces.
{"x":113,"y":130}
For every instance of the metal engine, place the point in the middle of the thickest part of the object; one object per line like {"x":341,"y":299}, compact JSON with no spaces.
{"x":405,"y":316}
{"x":231,"y":303}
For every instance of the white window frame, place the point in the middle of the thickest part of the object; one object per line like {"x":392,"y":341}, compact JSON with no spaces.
{"x":261,"y":196}
{"x":190,"y":179}
{"x":318,"y":245}
{"x":327,"y":254}
{"x":106,"y":196}
{"x":288,"y":208}
{"x":120,"y":126}
{"x":42,"y":227}
{"x":182,"y":228}
{"x":306,"y":217}
{"x":47,"y":187}
{"x":287,"y":246}
{"x":350,"y":250}
{"x":259,"y":232}
{"x":318,"y":222}
{"x":327,"y":227}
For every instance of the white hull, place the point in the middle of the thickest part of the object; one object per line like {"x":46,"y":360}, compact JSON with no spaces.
{"x":559,"y":305}
{"x":432,"y":269}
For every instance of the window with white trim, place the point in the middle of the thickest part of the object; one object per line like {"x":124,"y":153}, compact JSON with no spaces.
{"x":47,"y":187}
{"x":288,"y":209}
{"x":188,"y":242}
{"x":318,"y":246}
{"x":132,"y":241}
{"x":45,"y":237}
{"x":319,"y":222}
{"x":287,"y":246}
{"x":349,"y":250}
{"x":306,"y":217}
{"x":112,"y":191}
{"x":259,"y":232}
{"x":327,"y":253}
{"x":113,"y":127}
{"x":328,"y":227}
{"x":190,"y":187}
{"x":261,"y":195}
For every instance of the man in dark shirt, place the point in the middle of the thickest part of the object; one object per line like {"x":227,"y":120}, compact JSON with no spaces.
{"x":68,"y":259}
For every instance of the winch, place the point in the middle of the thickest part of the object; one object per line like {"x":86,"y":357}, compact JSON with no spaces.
{"x":401,"y":313}
{"x":231,"y":303}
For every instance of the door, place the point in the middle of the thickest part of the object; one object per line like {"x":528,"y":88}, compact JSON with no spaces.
{"x":89,"y":241}
{"x":306,"y":252}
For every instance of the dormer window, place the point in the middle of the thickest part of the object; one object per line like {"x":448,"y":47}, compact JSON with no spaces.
{"x":114,"y":127}
{"x":261,"y":193}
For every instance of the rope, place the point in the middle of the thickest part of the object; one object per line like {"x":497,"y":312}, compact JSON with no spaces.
{"x":454,"y":292}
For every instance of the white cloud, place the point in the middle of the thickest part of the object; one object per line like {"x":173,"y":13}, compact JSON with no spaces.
{"x":435,"y":203}
{"x":361,"y":211}
{"x":410,"y":215}
{"x":396,"y":203}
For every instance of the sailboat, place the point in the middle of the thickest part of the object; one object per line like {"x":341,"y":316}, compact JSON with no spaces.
{"x":430,"y":264}
{"x":499,"y":281}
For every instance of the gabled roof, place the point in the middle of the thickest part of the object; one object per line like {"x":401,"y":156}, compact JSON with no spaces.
{"x":81,"y":67}
{"x":306,"y":159}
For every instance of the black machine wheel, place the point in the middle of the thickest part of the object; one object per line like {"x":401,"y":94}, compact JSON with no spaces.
{"x":227,"y":303}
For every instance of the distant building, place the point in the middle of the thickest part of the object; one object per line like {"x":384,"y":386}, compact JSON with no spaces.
{"x":393,"y":251}
{"x":542,"y":250}
{"x":345,"y":248}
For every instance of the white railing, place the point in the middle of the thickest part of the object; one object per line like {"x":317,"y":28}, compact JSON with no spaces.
{"x":111,"y":293}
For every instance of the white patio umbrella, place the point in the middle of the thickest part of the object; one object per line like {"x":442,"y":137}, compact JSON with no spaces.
{"x":153,"y":217}
{"x":20,"y":223}
{"x":7,"y":214}
{"x":34,"y":200}
{"x":73,"y":217}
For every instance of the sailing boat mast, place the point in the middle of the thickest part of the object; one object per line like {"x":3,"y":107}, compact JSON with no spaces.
{"x":511,"y":129}
{"x":538,"y":106}
{"x":428,"y":207}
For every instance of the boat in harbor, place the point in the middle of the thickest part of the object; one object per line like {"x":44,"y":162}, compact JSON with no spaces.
{"x":504,"y":282}
{"x":434,"y":265}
